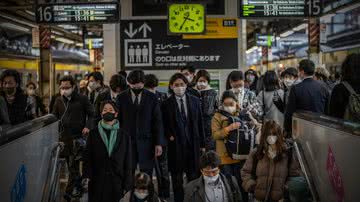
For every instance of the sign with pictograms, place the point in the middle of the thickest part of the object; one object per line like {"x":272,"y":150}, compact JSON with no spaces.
{"x":146,"y":44}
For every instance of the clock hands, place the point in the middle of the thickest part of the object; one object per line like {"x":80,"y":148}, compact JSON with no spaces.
{"x":186,"y":17}
{"x":183,"y":23}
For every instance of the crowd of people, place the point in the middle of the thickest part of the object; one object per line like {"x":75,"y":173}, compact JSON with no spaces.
{"x":236,"y":146}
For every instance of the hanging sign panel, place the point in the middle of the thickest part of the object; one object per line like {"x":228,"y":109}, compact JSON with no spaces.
{"x":77,"y":13}
{"x":145,"y":44}
{"x":279,"y":8}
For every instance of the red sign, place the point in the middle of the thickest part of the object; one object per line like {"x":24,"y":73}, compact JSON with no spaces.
{"x":45,"y":37}
{"x":335,"y":176}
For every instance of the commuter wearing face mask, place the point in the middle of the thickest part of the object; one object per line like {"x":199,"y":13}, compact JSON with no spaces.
{"x":117,"y":85}
{"x":246,"y":98}
{"x":40,"y":108}
{"x":96,"y":86}
{"x":290,"y":79}
{"x":140,"y":116}
{"x":143,"y":190}
{"x":108,"y":168}
{"x":76,"y":115}
{"x":212,"y":186}
{"x":18,"y":104}
{"x":184,"y":130}
{"x":209,"y":104}
{"x":162,"y":170}
{"x":189,"y":73}
{"x":269,"y":166}
{"x":251,"y":79}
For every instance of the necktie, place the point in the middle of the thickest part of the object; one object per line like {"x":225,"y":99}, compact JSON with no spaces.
{"x":136,"y":102}
{"x":183,"y":113}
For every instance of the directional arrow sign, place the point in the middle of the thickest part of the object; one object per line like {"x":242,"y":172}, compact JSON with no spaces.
{"x":131,"y":33}
{"x":144,"y":28}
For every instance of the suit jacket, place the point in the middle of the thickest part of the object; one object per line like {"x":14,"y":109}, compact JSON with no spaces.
{"x":143,"y":124}
{"x":108,"y":173}
{"x":309,"y":95}
{"x":195,"y":190}
{"x":4,"y":116}
{"x":173,"y":128}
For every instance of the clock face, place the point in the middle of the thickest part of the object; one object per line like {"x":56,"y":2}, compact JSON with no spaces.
{"x":186,"y":18}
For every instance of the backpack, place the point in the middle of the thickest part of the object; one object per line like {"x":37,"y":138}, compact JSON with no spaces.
{"x":352,"y":111}
{"x":240,"y":141}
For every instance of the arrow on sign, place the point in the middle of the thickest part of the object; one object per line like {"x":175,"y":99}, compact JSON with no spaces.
{"x":131,"y":33}
{"x":144,"y":28}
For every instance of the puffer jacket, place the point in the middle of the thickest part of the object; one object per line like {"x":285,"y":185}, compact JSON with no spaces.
{"x":271,"y":175}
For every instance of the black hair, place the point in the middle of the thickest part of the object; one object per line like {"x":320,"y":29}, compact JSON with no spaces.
{"x":67,"y":78}
{"x":350,"y":68}
{"x":234,"y":76}
{"x":271,"y":81}
{"x":102,"y":105}
{"x":292,"y":71}
{"x":31,"y":84}
{"x":209,"y":159}
{"x":308,"y":66}
{"x":117,"y":81}
{"x":228,"y":94}
{"x":97,"y":76}
{"x":178,"y":76}
{"x":191,"y":69}
{"x":123,"y":73}
{"x":337,"y":75}
{"x":202,"y":73}
{"x":250,"y":71}
{"x":136,"y":76}
{"x":11,"y":73}
{"x":144,"y":181}
{"x":151,"y":81}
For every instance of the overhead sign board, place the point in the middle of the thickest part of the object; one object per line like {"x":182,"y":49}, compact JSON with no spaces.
{"x":217,"y":28}
{"x":279,"y":8}
{"x":77,"y":13}
{"x":145,"y":44}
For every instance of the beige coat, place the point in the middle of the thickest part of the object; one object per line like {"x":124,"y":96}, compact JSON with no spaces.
{"x":219,"y":133}
{"x":269,"y":174}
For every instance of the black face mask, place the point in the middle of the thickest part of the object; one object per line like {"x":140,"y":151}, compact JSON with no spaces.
{"x":9,"y":91}
{"x":108,"y":116}
{"x":137,"y":91}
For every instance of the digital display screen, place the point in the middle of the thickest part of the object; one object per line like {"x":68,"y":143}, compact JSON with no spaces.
{"x":77,"y":13}
{"x":279,"y":8}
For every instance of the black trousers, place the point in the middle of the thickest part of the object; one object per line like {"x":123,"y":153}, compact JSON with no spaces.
{"x":162,"y":174}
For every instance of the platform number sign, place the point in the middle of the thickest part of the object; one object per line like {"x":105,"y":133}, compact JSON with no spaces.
{"x":73,"y":13}
{"x":44,"y":13}
{"x":272,"y":8}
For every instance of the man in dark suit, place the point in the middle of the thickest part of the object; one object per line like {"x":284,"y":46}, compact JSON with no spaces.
{"x":117,"y":85}
{"x":309,"y":95}
{"x":140,"y":117}
{"x":184,"y":130}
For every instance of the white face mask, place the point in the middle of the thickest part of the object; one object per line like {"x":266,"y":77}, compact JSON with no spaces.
{"x":289,"y":82}
{"x":202,"y":85}
{"x":230,"y":109}
{"x":66,"y":93}
{"x":179,"y":91}
{"x":271,"y":139}
{"x":211,"y":180}
{"x":93,"y":85}
{"x":237,"y":90}
{"x":189,"y":78}
{"x":141,"y":195}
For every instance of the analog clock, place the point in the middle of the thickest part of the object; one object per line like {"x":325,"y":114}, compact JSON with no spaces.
{"x":186,"y":18}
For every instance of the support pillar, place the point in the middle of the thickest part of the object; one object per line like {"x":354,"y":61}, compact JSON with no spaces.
{"x":47,"y":80}
{"x":112,"y":54}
